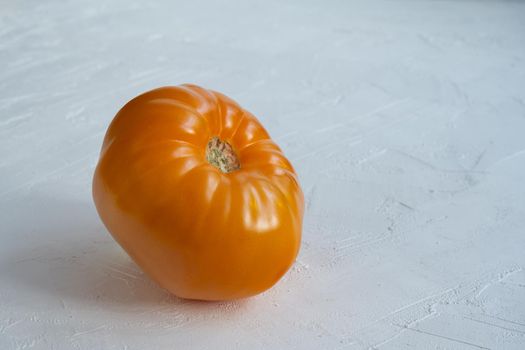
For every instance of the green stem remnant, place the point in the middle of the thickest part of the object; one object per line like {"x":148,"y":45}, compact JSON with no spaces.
{"x":221,"y":155}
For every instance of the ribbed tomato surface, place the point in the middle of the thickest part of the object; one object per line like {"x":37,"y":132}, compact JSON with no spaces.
{"x":200,"y":232}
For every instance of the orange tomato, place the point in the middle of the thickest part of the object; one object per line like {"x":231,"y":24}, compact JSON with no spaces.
{"x":196,"y":192}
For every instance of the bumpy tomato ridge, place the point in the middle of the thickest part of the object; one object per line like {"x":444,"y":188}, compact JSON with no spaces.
{"x":200,"y":233}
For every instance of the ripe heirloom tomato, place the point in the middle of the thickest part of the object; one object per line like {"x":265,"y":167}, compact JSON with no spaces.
{"x":196,"y":192}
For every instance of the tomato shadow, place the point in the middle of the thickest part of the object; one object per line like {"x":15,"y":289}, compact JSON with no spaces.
{"x":64,"y":254}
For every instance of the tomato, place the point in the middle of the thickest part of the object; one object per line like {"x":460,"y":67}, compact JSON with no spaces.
{"x":196,"y":192}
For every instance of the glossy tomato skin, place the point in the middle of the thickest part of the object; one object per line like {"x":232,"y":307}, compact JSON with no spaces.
{"x":199,"y":232}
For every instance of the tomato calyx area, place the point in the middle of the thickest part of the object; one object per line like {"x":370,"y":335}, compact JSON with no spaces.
{"x":221,"y":155}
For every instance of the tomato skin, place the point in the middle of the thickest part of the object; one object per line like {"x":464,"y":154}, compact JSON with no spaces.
{"x":199,"y":232}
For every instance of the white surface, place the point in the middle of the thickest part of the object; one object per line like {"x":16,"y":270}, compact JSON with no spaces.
{"x":405,"y":121}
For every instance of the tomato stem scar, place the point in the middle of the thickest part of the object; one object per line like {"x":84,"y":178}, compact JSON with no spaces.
{"x":221,"y":155}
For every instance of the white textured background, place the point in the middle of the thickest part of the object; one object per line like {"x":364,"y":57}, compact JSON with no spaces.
{"x":405,"y":121}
